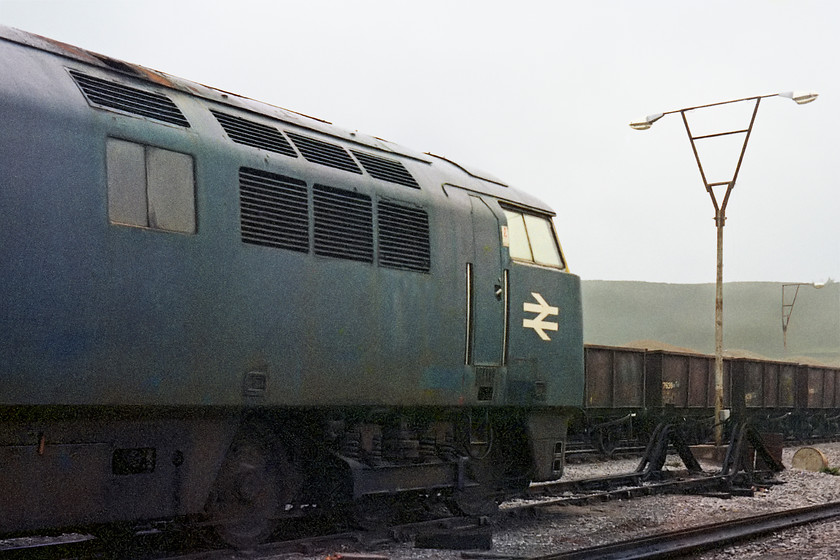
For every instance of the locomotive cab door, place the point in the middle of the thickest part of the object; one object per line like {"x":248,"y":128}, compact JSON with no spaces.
{"x":486,"y":291}
{"x":485,"y":310}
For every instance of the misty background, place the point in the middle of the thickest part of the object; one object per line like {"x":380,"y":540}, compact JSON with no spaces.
{"x":656,"y":315}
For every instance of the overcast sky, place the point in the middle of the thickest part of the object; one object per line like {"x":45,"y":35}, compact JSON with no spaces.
{"x":540,"y":95}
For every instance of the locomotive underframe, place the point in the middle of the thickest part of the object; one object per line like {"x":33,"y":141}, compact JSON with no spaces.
{"x":79,"y":466}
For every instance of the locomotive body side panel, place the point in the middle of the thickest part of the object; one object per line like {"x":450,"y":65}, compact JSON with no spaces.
{"x":133,"y":322}
{"x":113,"y":313}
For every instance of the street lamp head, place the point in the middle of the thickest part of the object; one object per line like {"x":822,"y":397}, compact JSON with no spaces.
{"x":646,"y":123}
{"x":800,"y":97}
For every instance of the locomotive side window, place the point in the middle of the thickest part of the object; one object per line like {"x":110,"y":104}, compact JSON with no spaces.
{"x":150,"y":187}
{"x":532,"y":239}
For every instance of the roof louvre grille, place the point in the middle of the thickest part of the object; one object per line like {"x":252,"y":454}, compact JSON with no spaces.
{"x":343,"y":224}
{"x":403,"y":237}
{"x":324,"y":153}
{"x":386,"y":169}
{"x":274,"y":210}
{"x":111,"y":95}
{"x":254,"y":134}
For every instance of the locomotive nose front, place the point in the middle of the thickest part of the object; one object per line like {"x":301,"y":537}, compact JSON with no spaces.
{"x":545,"y":352}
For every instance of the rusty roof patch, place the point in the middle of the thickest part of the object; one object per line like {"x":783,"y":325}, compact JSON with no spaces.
{"x":209,"y":93}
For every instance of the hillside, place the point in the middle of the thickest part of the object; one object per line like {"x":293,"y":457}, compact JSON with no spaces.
{"x":621,"y":313}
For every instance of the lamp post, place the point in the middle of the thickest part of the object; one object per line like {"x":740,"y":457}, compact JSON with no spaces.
{"x":787,"y":308}
{"x":719,"y":203}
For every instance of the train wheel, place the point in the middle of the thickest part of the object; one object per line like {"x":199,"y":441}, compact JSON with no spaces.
{"x":253,"y":482}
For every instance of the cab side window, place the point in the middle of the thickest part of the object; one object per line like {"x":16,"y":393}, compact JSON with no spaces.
{"x":532,"y":239}
{"x":150,"y":187}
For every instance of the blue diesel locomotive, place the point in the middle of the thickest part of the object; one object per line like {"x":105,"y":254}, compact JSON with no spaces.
{"x":215,"y":309}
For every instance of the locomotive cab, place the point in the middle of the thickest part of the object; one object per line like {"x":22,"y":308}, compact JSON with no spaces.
{"x":523,"y":319}
{"x":545,"y":319}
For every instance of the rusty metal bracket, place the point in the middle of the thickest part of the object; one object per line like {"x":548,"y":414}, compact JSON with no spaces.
{"x":736,"y":454}
{"x":657,"y":450}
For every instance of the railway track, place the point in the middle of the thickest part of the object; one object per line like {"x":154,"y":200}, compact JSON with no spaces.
{"x":625,"y":487}
{"x":697,"y":539}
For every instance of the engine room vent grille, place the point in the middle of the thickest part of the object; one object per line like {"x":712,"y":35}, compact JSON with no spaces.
{"x":386,"y":169}
{"x":343,"y":224}
{"x":324,"y":153}
{"x":254,"y":134}
{"x":403,"y":237}
{"x":111,"y":95}
{"x":274,"y":210}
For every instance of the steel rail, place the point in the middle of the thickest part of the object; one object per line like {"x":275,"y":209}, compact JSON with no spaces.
{"x":706,"y":537}
{"x":696,"y":485}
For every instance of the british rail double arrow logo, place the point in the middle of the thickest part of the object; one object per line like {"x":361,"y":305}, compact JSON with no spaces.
{"x":543,"y":310}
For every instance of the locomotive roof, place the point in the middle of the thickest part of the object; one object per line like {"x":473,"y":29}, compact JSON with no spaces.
{"x":477,"y":180}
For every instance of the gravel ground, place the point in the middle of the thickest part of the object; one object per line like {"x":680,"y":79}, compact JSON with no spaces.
{"x":566,"y":528}
{"x":820,"y":541}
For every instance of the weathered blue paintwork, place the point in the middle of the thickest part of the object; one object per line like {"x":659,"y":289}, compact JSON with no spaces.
{"x":103,"y":314}
{"x":131,"y":358}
